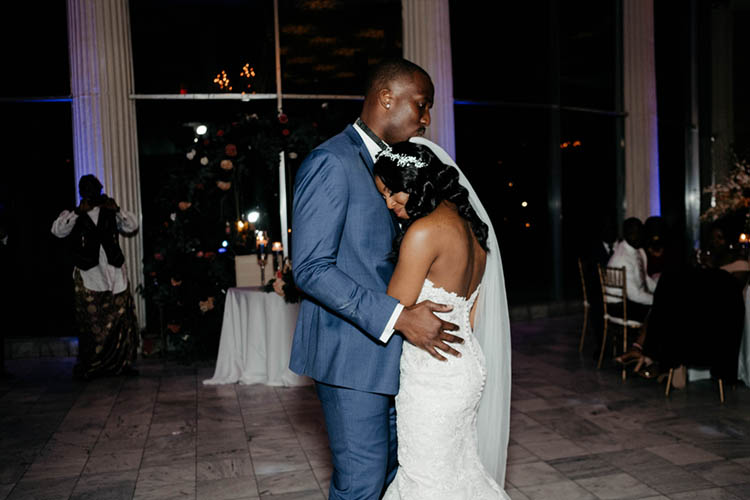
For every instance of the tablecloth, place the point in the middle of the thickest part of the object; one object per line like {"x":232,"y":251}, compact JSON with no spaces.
{"x":256,"y":340}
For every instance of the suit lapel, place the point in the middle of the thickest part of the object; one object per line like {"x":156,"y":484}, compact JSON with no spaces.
{"x":359,"y":145}
{"x":364,"y":154}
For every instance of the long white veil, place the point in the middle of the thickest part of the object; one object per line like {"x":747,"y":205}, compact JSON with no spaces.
{"x":492,"y":329}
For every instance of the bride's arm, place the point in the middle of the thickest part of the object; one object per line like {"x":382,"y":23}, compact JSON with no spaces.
{"x":417,"y":253}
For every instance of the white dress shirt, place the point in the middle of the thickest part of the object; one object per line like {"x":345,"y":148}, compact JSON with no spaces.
{"x":374,"y":149}
{"x":640,"y":286}
{"x":103,"y":277}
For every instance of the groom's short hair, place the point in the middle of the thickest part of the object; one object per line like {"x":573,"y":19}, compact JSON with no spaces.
{"x":389,"y":70}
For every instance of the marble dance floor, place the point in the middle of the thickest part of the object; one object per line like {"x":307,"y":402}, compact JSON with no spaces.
{"x":575,"y":433}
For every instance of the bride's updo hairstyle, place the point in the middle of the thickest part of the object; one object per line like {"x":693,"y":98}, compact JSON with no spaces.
{"x":414,"y":169}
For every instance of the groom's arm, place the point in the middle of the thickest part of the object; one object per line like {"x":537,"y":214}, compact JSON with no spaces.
{"x":321,"y":200}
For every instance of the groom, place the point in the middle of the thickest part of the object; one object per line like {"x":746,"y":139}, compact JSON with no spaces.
{"x":342,"y":235}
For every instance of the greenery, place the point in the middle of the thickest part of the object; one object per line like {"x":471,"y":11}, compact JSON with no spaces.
{"x":189,"y":264}
{"x":289,"y":289}
{"x":732,"y":195}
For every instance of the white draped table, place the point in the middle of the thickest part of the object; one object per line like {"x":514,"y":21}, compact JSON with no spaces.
{"x":256,"y":340}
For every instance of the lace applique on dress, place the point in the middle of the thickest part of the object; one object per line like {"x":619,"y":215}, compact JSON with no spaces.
{"x":436,"y":411}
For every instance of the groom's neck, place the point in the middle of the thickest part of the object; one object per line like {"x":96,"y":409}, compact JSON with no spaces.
{"x":373,"y":123}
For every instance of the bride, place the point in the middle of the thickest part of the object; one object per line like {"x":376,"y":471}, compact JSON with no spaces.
{"x":452,"y":414}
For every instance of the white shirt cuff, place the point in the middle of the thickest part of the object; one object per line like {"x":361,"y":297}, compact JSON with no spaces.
{"x":388,"y":331}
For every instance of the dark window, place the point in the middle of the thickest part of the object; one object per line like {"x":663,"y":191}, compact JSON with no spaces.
{"x":199,"y":46}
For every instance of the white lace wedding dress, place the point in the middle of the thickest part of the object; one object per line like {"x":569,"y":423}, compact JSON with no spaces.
{"x":436,"y":415}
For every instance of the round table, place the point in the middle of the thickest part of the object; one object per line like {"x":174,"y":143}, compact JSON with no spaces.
{"x":256,"y":340}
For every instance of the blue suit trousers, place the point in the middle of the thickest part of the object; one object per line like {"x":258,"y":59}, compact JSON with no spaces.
{"x":362,"y":434}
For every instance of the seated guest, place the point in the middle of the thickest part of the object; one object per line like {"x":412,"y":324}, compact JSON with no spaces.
{"x":722,"y":255}
{"x":654,"y":244}
{"x":599,"y":245}
{"x":639,"y":285}
{"x":697,"y":317}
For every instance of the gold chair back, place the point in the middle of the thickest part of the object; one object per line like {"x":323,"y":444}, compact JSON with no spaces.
{"x":614,"y":284}
{"x":583,"y":280}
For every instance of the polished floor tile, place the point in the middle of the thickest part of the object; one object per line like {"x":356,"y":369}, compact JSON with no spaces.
{"x":576,"y":433}
{"x":616,"y":486}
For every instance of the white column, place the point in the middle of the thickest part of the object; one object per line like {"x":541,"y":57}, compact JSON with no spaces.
{"x":641,"y":139}
{"x":427,"y":42}
{"x":104,"y":127}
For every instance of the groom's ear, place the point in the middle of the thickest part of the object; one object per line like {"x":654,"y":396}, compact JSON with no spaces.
{"x":385,"y":96}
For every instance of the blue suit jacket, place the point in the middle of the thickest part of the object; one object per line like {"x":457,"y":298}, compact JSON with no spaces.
{"x":342,"y":234}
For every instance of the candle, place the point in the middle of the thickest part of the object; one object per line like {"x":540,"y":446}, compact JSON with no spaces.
{"x":261,"y":240}
{"x":276,"y":248}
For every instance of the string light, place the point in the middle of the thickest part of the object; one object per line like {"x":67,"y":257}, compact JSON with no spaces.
{"x":222,"y":80}
{"x":247,"y":71}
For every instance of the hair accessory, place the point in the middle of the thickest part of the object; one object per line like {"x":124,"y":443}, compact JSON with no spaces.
{"x":402,"y":159}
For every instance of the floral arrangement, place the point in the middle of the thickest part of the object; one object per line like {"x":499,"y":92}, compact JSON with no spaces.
{"x":189,"y":263}
{"x":732,"y":195}
{"x":284,"y":286}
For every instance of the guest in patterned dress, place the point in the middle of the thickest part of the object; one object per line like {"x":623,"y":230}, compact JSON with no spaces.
{"x":105,"y":311}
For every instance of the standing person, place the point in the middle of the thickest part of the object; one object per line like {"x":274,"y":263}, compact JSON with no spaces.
{"x":342,"y":235}
{"x":105,"y":311}
{"x":448,"y":254}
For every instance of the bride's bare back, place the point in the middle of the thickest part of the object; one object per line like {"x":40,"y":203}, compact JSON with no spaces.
{"x":442,"y":248}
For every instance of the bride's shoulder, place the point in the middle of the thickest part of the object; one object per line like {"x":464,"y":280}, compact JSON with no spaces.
{"x":421,"y":229}
{"x":432,"y":229}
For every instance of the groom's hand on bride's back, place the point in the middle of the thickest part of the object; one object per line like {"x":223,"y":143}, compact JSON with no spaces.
{"x":425,"y":330}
